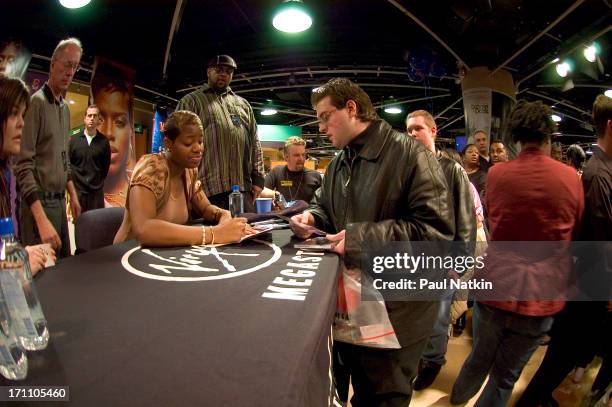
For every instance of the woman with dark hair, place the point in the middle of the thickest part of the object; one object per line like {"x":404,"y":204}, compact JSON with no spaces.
{"x":165,"y":188}
{"x":476,"y":175}
{"x":452,"y":154}
{"x":14,"y":100}
{"x":575,"y":157}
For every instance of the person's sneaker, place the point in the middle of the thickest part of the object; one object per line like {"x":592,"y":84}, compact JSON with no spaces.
{"x":459,"y":325}
{"x":426,"y":376}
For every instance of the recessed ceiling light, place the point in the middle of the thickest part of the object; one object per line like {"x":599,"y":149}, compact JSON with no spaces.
{"x":292,"y":17}
{"x":563,"y":69}
{"x":608,"y":93}
{"x":590,"y":52}
{"x":268,"y":112}
{"x":393,"y":110}
{"x":74,"y":3}
{"x":555,"y":118}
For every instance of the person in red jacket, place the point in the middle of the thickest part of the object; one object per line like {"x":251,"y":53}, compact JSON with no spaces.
{"x":530,"y":199}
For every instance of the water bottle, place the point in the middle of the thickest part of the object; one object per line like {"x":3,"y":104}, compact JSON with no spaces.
{"x":236,"y":205}
{"x":13,"y":360}
{"x":280,"y":200}
{"x":19,"y":291}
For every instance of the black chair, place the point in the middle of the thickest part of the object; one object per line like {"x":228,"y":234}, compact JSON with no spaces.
{"x":97,"y":228}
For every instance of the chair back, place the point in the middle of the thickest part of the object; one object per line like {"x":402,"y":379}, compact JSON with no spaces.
{"x":97,"y":228}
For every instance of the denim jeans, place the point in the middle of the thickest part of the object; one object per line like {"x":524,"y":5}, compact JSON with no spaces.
{"x":503,"y":343}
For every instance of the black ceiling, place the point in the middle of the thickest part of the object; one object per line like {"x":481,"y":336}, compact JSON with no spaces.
{"x":373,"y":42}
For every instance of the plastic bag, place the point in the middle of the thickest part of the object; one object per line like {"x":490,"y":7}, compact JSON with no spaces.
{"x":364,"y":323}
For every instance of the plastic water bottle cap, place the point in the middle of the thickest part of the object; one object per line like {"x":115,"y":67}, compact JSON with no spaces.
{"x":6,"y":226}
{"x":236,"y":188}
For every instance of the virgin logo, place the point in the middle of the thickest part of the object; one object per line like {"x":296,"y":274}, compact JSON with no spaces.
{"x":198,"y":263}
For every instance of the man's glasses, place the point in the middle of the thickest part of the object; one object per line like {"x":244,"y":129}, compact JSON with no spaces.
{"x":325,"y":116}
{"x":68,"y":66}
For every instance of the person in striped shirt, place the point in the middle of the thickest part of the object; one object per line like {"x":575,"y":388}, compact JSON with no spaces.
{"x":234,"y":155}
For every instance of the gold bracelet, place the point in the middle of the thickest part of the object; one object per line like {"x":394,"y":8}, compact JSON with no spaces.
{"x":212,"y":242}
{"x":203,"y":236}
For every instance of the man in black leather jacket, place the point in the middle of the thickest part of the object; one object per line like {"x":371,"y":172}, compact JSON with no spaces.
{"x":381,"y":187}
{"x":421,"y":125}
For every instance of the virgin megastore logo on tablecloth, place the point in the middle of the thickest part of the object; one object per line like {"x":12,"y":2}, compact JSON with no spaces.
{"x":200,"y":263}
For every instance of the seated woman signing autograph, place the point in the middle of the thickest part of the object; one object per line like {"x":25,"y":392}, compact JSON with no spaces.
{"x":165,"y":187}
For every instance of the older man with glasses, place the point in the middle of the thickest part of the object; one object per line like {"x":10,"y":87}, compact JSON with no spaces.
{"x":43,"y":168}
{"x":233,"y":152}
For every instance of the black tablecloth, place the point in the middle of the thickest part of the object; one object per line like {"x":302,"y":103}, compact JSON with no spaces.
{"x":127,"y":338}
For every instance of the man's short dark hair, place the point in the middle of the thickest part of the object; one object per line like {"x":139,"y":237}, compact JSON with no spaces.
{"x":602,"y":112}
{"x":92,"y":106}
{"x":576,"y":156}
{"x":531,"y":122}
{"x":340,"y":91}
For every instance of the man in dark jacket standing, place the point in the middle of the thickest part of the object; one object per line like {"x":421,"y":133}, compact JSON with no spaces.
{"x":420,"y":124}
{"x":90,"y":155}
{"x":381,"y":187}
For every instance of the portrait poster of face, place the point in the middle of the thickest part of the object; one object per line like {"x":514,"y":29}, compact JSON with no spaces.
{"x":14,"y":59}
{"x":35,"y":80}
{"x":112,"y":90}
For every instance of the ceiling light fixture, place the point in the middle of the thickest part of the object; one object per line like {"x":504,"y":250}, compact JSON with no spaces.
{"x":74,"y":3}
{"x":563,"y":69}
{"x":608,"y":93}
{"x":268,"y":112}
{"x":292,"y":17}
{"x":591,"y":52}
{"x":555,"y":118}
{"x":393,"y":110}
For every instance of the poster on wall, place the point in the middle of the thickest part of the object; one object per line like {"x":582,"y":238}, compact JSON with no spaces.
{"x":14,"y":59}
{"x":159,"y":120}
{"x":112,"y":90}
{"x":477,"y":110}
{"x":35,"y":81}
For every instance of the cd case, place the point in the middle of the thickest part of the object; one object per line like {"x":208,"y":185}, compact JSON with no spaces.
{"x":316,"y":243}
{"x":260,"y":230}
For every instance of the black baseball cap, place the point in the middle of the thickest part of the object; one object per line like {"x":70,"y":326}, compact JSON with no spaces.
{"x":223,"y":60}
